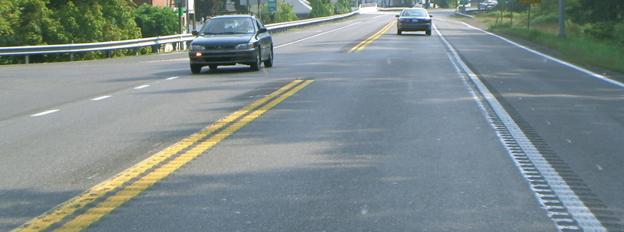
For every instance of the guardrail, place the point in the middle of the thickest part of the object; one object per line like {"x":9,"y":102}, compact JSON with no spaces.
{"x":155,"y":42}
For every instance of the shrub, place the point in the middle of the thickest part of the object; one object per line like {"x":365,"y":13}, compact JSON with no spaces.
{"x":156,"y":21}
{"x":285,"y":13}
{"x":321,"y":8}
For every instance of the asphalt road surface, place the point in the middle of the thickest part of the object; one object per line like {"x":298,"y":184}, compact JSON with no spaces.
{"x":459,"y":131}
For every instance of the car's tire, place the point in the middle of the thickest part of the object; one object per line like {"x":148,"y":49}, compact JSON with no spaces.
{"x":196,"y":68}
{"x":269,"y":62}
{"x":399,"y":32}
{"x":256,"y":66}
{"x":213,"y":67}
{"x":428,"y":32}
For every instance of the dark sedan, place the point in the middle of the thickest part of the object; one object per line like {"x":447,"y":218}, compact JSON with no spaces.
{"x":231,"y":40}
{"x":414,"y":19}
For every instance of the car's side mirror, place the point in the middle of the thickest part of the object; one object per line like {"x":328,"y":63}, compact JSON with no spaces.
{"x":430,"y":16}
{"x":262,"y":30}
{"x":396,"y":16}
{"x":195,"y":33}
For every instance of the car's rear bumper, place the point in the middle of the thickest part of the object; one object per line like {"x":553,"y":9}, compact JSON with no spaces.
{"x":223,"y":57}
{"x":414,"y":27}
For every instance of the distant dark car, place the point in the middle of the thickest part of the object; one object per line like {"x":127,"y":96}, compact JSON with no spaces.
{"x":414,"y":19}
{"x":231,"y":40}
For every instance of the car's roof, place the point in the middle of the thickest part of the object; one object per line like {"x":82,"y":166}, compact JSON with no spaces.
{"x":414,"y":8}
{"x":233,"y":16}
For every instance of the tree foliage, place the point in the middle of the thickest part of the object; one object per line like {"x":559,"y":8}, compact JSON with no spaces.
{"x":34,"y":22}
{"x":285,"y":13}
{"x":205,"y":8}
{"x":321,"y":8}
{"x":342,"y":6}
{"x":602,"y":19}
{"x":156,"y":21}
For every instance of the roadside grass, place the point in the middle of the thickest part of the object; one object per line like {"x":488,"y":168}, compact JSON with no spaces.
{"x":576,"y":47}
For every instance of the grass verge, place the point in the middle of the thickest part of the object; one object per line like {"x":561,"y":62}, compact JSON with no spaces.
{"x":576,"y":47}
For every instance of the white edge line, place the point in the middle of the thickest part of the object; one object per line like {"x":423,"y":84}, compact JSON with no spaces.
{"x":575,"y":206}
{"x":100,"y":98}
{"x":45,"y":112}
{"x":565,"y":63}
{"x":141,"y":86}
{"x":172,"y":78}
{"x":317,"y":35}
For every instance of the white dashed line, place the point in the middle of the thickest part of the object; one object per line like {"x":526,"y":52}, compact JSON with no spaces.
{"x":172,"y":78}
{"x":141,"y":86}
{"x":45,"y":112}
{"x":100,"y":98}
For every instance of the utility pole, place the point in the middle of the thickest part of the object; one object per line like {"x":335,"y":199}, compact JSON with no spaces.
{"x":187,"y":18}
{"x":562,"y":32}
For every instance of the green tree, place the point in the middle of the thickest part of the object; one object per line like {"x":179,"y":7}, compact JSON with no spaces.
{"x":156,"y":21}
{"x":205,"y":8}
{"x":120,"y":22}
{"x":343,"y":6}
{"x":321,"y":8}
{"x":95,"y":20}
{"x":35,"y":24}
{"x":8,"y":22}
{"x":285,"y":13}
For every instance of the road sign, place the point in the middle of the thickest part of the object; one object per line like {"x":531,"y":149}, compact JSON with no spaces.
{"x":272,"y":6}
{"x":528,"y":2}
{"x":190,"y":5}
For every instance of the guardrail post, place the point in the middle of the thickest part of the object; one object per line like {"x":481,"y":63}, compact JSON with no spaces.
{"x":71,"y":56}
{"x":27,"y":59}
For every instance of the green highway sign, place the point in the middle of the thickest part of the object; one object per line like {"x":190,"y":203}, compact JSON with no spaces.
{"x":272,"y":6}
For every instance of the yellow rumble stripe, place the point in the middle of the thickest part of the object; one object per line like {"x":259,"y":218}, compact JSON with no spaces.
{"x":74,"y":204}
{"x":372,"y":38}
{"x":105,"y":207}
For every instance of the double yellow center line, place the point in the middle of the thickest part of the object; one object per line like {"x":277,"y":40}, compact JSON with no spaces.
{"x":87,"y":208}
{"x":369,"y":40}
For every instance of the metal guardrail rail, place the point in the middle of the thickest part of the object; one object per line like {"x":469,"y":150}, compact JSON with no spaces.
{"x":70,"y":49}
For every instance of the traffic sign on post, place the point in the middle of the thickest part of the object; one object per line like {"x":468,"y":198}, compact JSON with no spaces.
{"x":272,"y":6}
{"x":190,"y":5}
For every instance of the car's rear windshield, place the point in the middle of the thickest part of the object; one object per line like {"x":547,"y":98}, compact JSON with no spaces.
{"x":415,"y":13}
{"x":229,"y":26}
